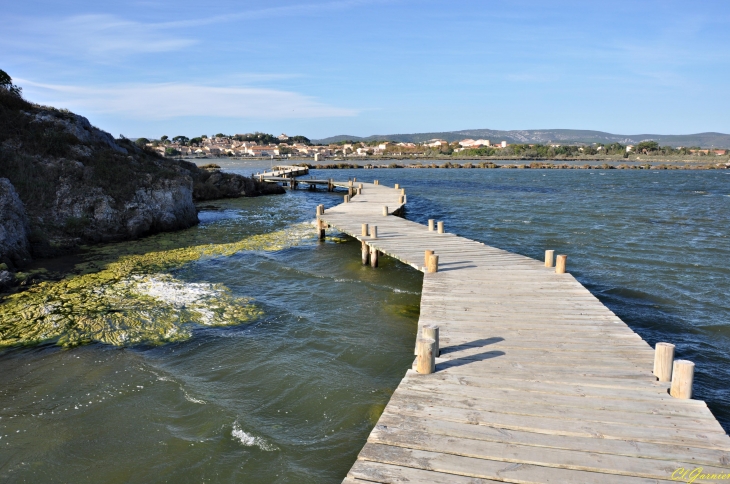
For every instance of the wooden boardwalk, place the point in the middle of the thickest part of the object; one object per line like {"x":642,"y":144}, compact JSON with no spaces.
{"x":537,"y":382}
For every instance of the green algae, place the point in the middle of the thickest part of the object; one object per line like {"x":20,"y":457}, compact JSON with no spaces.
{"x":134,"y":299}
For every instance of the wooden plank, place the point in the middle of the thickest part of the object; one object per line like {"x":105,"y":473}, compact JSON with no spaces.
{"x":535,"y":455}
{"x":368,"y":471}
{"x":490,"y":469}
{"x":697,"y":456}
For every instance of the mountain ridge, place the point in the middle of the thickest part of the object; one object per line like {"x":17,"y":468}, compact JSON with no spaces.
{"x":544,"y":136}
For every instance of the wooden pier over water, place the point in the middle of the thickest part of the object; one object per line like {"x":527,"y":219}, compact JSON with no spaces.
{"x":536,"y":381}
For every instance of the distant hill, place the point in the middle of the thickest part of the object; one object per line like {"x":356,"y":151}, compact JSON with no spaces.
{"x":543,"y":136}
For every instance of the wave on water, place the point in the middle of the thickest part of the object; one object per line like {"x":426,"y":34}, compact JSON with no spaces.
{"x":248,"y":440}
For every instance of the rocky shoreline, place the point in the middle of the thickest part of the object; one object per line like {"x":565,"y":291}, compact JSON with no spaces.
{"x":64,"y":183}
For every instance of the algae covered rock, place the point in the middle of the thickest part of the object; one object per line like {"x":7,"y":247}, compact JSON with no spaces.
{"x":136,"y":299}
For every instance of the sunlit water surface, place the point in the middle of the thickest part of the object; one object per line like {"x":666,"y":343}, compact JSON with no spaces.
{"x":292,"y":395}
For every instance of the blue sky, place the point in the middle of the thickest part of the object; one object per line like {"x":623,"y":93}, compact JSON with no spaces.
{"x":362,"y":67}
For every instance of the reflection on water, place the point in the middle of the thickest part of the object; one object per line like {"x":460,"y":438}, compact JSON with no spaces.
{"x":291,"y":395}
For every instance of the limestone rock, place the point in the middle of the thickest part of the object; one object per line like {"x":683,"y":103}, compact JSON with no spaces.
{"x":14,"y":247}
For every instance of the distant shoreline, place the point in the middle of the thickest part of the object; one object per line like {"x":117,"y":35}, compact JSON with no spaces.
{"x":487,"y":163}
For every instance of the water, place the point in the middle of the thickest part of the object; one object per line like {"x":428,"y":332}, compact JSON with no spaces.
{"x":290,"y":395}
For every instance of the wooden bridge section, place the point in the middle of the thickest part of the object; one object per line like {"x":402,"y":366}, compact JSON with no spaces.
{"x":537,"y":381}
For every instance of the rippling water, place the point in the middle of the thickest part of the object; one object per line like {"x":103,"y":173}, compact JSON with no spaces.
{"x":292,"y":395}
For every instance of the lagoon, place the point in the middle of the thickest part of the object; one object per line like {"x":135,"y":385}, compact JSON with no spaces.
{"x":291,"y":394}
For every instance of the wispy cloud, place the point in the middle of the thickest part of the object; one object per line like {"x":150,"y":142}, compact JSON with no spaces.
{"x":174,"y":100}
{"x":90,"y":35}
{"x":104,"y":35}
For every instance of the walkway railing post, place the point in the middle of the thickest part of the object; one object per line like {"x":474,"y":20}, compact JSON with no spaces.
{"x":397,"y":186}
{"x":376,"y":182}
{"x":560,"y":264}
{"x":364,"y":231}
{"x":663,"y":358}
{"x":430,"y":225}
{"x":385,"y":211}
{"x":431,"y":331}
{"x":365,"y":253}
{"x":373,"y":257}
{"x":440,"y":226}
{"x":426,"y":359}
{"x":374,"y":232}
{"x":549,"y":258}
{"x":682,"y":377}
{"x":428,"y":254}
{"x":347,"y":198}
{"x":433,"y":263}
{"x":402,"y":200}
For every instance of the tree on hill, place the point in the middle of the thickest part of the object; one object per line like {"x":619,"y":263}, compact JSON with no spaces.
{"x":647,"y":147}
{"x":181,"y":139}
{"x":221,"y":135}
{"x":299,"y":139}
{"x":141,"y":142}
{"x":6,"y":84}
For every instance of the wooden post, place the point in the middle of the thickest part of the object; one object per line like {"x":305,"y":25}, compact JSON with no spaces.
{"x":402,"y":200}
{"x":365,"y":253}
{"x":663,"y":358}
{"x":426,"y":360}
{"x":549,"y":258}
{"x":428,"y":254}
{"x":433,"y":263}
{"x":560,"y":264}
{"x":376,"y":182}
{"x":397,"y":186}
{"x":683,"y":374}
{"x":373,"y":257}
{"x":330,"y":185}
{"x":374,"y":232}
{"x":360,"y":186}
{"x":431,"y":331}
{"x":320,"y":229}
{"x":430,"y":225}
{"x":354,"y":179}
{"x":402,"y":191}
{"x":364,"y":230}
{"x":347,"y":198}
{"x":440,"y":226}
{"x":385,"y":211}
{"x":350,"y":191}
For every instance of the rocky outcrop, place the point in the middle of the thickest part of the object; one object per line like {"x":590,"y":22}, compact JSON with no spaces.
{"x":79,"y":185}
{"x":14,"y":228}
{"x":212,"y":184}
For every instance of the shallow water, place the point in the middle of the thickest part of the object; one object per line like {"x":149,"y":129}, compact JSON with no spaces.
{"x":291,"y":395}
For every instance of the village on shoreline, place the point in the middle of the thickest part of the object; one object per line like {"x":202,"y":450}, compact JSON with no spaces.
{"x":457,"y":154}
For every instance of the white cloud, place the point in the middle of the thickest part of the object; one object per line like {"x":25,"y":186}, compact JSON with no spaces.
{"x":96,"y":36}
{"x":173,"y":100}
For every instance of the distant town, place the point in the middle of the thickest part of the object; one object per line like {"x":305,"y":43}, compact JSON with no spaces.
{"x":257,"y":145}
